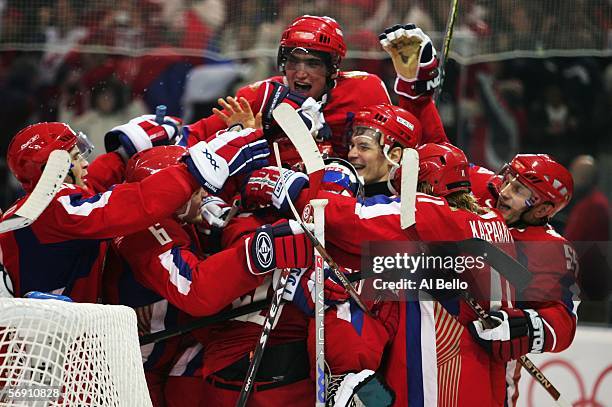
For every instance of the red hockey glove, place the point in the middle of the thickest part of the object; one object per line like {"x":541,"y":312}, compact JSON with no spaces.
{"x":519,"y":332}
{"x":414,"y":59}
{"x":141,"y":133}
{"x":301,"y":290}
{"x":265,"y":188}
{"x":225,"y":154}
{"x":282,"y":245}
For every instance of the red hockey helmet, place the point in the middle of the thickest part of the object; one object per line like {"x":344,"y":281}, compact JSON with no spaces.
{"x":444,"y":167}
{"x":148,"y":162}
{"x":291,"y":158}
{"x":29,"y":150}
{"x":389,"y":124}
{"x":314,"y":33}
{"x":548,"y":180}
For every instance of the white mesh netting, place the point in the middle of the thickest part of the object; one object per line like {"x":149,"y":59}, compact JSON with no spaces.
{"x":89,"y":352}
{"x":238,"y":29}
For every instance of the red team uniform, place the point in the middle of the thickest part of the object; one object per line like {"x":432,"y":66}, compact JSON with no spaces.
{"x":283,"y":375}
{"x":553,"y":262}
{"x":69,"y":236}
{"x":423,"y":326}
{"x":350,"y":91}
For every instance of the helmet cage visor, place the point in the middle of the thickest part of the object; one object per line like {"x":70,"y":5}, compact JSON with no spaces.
{"x":369,"y":132}
{"x":321,"y":64}
{"x":520,"y":186}
{"x":84,"y":145}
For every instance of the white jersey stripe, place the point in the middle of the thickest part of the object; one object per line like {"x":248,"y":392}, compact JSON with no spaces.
{"x":428,"y":351}
{"x":85,"y":208}
{"x":182,"y":284}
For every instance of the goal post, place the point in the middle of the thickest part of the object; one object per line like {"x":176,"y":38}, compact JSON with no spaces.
{"x":55,"y":353}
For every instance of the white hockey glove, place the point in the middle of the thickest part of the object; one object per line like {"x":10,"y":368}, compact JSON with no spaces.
{"x":141,"y":133}
{"x":414,"y":59}
{"x":214,"y":210}
{"x":312,"y":115}
{"x":227,"y":153}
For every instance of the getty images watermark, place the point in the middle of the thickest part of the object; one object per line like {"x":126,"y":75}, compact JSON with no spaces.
{"x":427,"y":271}
{"x":407,"y":269}
{"x":488,"y":271}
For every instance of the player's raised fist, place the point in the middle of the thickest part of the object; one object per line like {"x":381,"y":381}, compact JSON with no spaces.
{"x":414,"y":59}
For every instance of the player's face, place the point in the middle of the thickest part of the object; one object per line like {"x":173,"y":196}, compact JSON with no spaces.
{"x":190,"y":212}
{"x":368,"y":159}
{"x":78,"y":170}
{"x":512,"y":199}
{"x":306,"y":74}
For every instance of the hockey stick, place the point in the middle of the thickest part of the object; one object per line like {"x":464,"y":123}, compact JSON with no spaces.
{"x":204,"y":321}
{"x":46,"y":188}
{"x":508,"y":266}
{"x":318,"y":206}
{"x":293,"y":126}
{"x":527,"y":364}
{"x":517,"y":275}
{"x":271,"y":318}
{"x":448,"y":36}
{"x":269,"y":322}
{"x":232,"y":212}
{"x":410,"y":171}
{"x":511,"y":269}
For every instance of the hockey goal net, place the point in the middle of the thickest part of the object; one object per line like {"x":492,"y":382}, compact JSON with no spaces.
{"x":54,"y":353}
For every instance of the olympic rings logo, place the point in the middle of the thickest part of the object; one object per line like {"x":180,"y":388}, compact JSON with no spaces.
{"x":583,"y":399}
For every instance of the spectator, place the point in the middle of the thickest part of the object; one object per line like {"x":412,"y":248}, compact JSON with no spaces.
{"x":110,"y":107}
{"x":588,"y":221}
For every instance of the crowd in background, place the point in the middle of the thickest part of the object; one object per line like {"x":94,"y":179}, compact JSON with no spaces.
{"x":561,"y":106}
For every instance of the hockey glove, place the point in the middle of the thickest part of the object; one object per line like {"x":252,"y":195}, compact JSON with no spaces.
{"x":225,"y":154}
{"x":519,"y":332}
{"x":214,"y":210}
{"x":414,"y":59}
{"x":282,"y":245}
{"x":271,"y":94}
{"x":265,"y":188}
{"x":365,"y":388}
{"x":141,"y":133}
{"x":301,"y":290}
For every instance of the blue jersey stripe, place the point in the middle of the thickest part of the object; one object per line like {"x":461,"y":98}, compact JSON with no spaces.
{"x":180,"y":263}
{"x":356,"y":317}
{"x":414,"y":361}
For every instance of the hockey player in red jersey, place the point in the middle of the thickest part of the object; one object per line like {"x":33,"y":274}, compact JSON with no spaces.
{"x":165,"y":258}
{"x":379,"y":134}
{"x":63,"y":250}
{"x":531,"y":189}
{"x":553,"y":276}
{"x":412,"y":363}
{"x":309,"y":56}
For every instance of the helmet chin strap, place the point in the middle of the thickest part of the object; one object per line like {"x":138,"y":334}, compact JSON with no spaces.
{"x":385,"y":151}
{"x":521,"y":223}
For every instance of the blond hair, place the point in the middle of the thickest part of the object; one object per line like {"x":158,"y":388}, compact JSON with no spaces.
{"x":458,"y":199}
